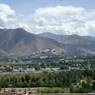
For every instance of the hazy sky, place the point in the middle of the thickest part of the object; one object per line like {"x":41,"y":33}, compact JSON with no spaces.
{"x":56,"y":16}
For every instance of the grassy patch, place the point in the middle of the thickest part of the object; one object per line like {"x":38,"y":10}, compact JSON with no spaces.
{"x":53,"y":90}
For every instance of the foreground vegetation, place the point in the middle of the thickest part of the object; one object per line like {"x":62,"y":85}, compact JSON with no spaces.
{"x":49,"y":75}
{"x":63,"y":81}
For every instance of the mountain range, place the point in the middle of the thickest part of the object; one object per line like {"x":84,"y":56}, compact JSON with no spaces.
{"x":18,"y":42}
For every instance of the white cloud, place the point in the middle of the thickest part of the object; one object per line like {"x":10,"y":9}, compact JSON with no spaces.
{"x":5,"y":11}
{"x":6,"y":14}
{"x":60,"y":19}
{"x":65,"y":20}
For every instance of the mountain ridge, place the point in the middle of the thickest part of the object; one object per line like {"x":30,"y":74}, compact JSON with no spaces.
{"x":18,"y":42}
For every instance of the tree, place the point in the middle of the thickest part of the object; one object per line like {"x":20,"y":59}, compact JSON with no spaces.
{"x":93,"y":85}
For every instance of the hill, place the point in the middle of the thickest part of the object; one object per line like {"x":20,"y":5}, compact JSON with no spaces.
{"x":18,"y":42}
{"x":74,"y":44}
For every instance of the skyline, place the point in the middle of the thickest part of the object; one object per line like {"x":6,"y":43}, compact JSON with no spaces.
{"x":55,"y":16}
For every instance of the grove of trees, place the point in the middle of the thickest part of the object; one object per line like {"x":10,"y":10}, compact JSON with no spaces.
{"x":76,"y":80}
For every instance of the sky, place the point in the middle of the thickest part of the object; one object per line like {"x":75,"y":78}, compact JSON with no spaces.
{"x":56,"y":16}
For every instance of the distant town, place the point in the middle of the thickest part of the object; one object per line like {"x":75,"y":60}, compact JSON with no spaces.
{"x":45,"y":60}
